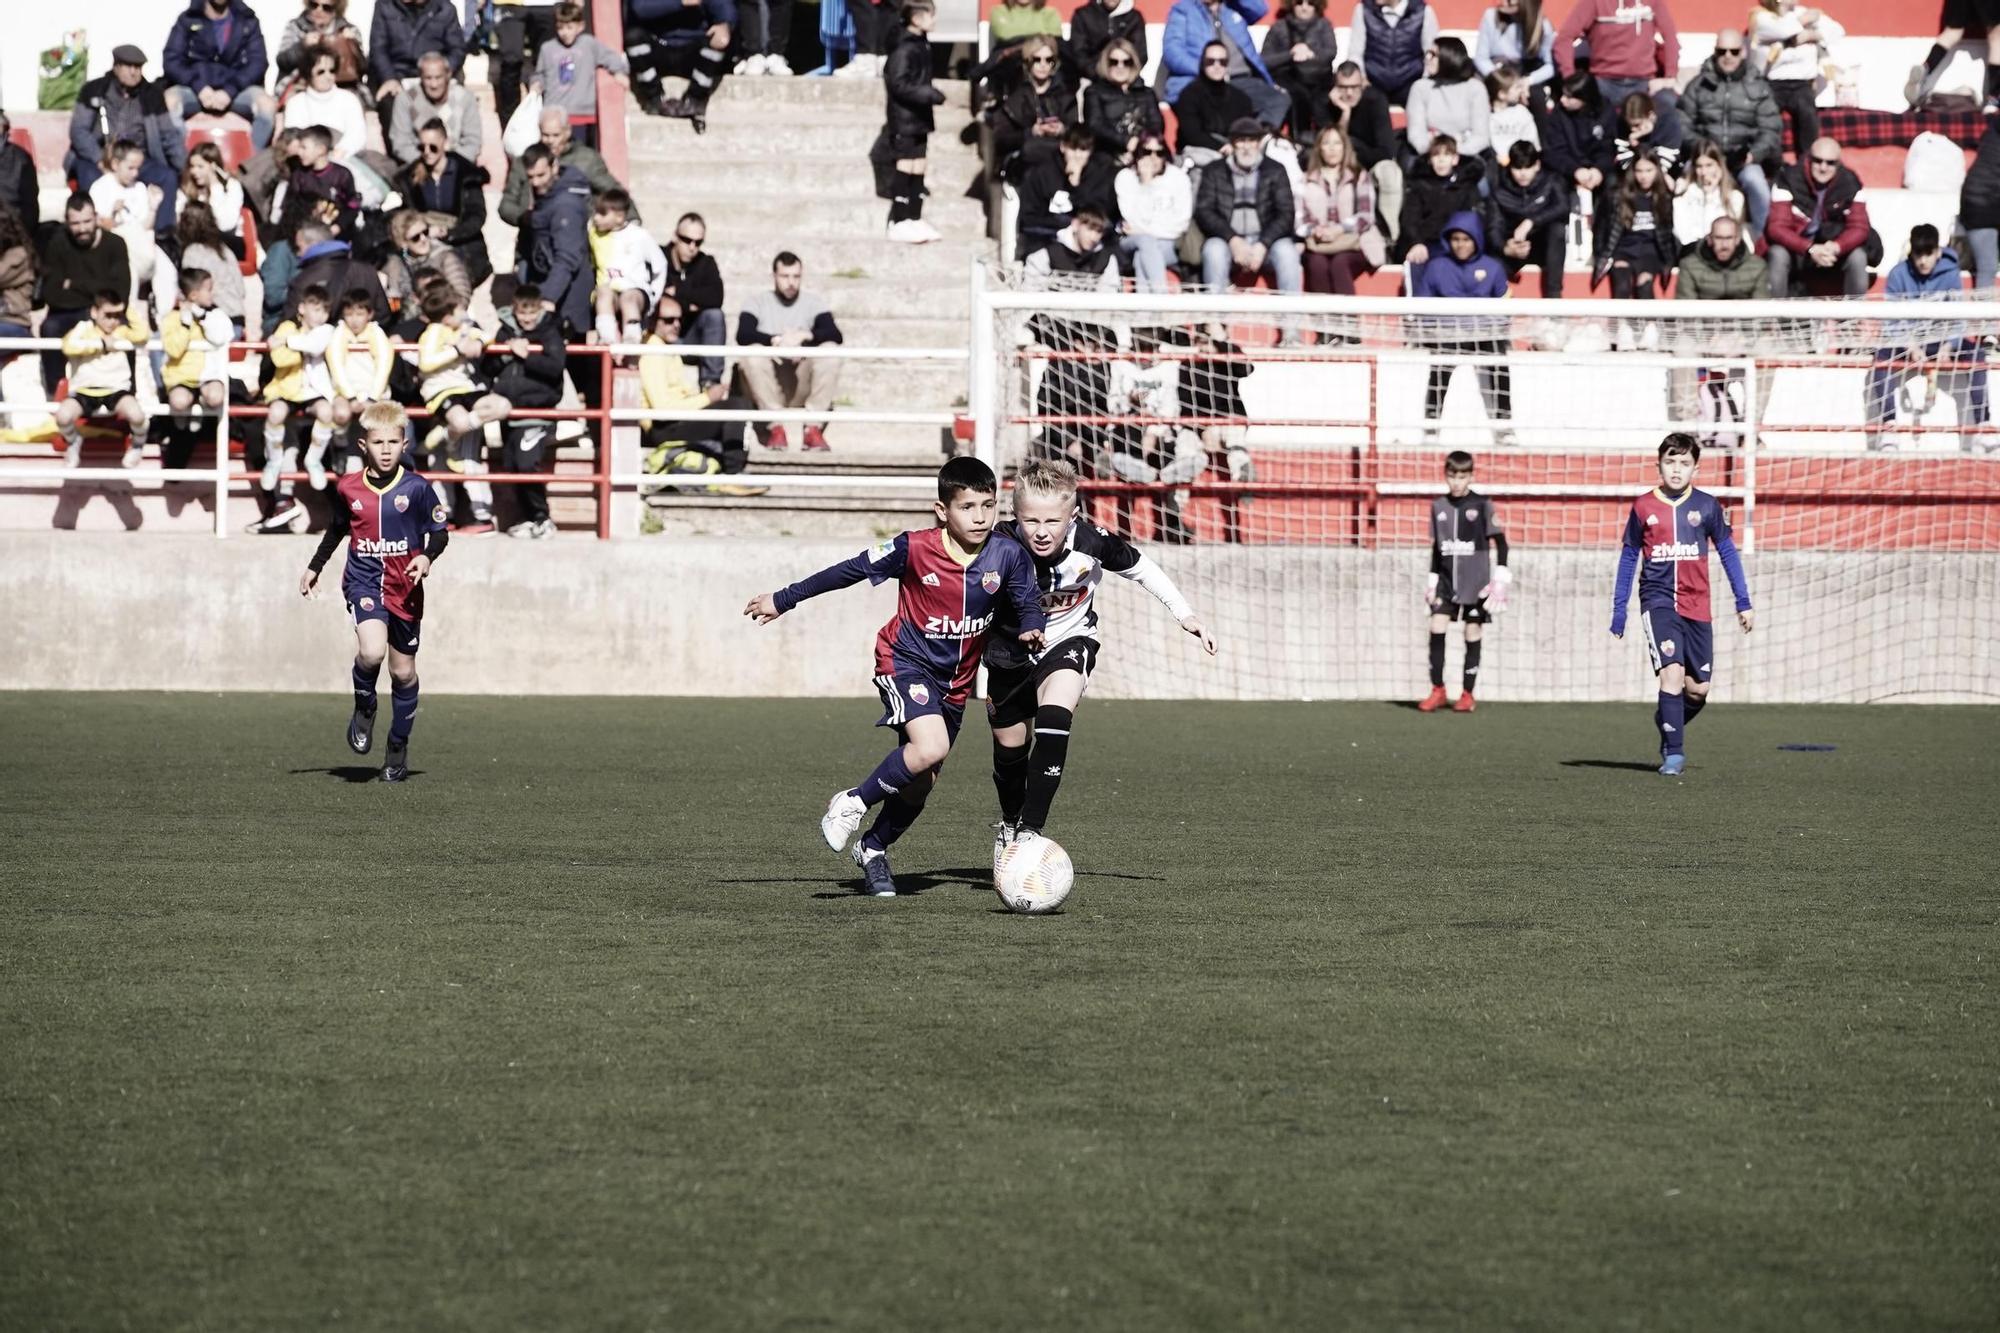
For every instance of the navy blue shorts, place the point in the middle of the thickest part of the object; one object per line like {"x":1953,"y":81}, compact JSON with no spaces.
{"x":364,"y":605}
{"x":906,"y":695}
{"x":1674,"y":641}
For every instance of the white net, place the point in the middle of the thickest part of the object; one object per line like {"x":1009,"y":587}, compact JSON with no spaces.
{"x":1279,"y":455}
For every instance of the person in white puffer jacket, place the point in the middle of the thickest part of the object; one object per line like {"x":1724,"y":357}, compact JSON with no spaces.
{"x":1790,"y":42}
{"x":1156,"y":205}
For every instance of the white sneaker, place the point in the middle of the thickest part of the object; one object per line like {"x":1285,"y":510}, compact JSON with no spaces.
{"x":861,"y":67}
{"x":752,"y":68}
{"x":522,"y":531}
{"x":73,"y":454}
{"x":545,"y":529}
{"x":274,"y":467}
{"x":909,"y":231}
{"x":1504,"y":438}
{"x":135,"y":454}
{"x":778,"y":67}
{"x":315,"y":472}
{"x":843,"y":816}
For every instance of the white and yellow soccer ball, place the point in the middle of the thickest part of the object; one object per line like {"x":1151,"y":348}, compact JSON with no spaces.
{"x":1036,"y":876}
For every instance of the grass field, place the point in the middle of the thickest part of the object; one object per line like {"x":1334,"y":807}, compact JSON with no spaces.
{"x":1358,"y":1019}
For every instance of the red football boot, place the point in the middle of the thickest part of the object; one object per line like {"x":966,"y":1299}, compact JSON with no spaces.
{"x":1432,"y":701}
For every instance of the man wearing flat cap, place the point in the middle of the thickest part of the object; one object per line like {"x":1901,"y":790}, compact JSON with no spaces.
{"x":124,"y":104}
{"x":1244,"y":213}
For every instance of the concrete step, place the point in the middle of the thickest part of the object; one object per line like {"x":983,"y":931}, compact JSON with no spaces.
{"x":889,"y":294}
{"x":948,"y":119}
{"x":796,"y":223}
{"x":857,"y":261}
{"x":767,"y":137}
{"x":841,"y":173}
{"x":827,"y":93}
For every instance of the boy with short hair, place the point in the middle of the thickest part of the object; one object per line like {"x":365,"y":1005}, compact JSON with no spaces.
{"x":196,"y":338}
{"x":100,"y":376}
{"x":447,"y":355}
{"x":1045,"y":686}
{"x":528,"y":372}
{"x":301,"y":387}
{"x":1667,"y":536}
{"x":631,"y":268}
{"x":952,"y":581}
{"x":901,"y":153}
{"x":566,"y":70}
{"x":396,"y":527}
{"x":1464,"y":582}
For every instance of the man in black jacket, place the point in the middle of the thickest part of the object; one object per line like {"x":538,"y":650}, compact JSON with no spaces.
{"x":694,"y":280}
{"x":1093,"y":26}
{"x":125,"y":105}
{"x":1210,"y":104}
{"x":527,"y":370}
{"x":1244,"y":212}
{"x":1079,"y":178}
{"x":554,"y":250}
{"x":1363,"y":112}
{"x":18,"y":187}
{"x":79,"y":261}
{"x":1527,"y":216}
{"x":404,"y":31}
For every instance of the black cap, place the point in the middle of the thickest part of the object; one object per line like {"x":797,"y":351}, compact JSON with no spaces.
{"x":127,"y":55}
{"x":1247,"y":127}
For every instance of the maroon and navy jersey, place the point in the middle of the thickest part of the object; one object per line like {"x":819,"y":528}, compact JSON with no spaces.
{"x":385,"y":529}
{"x":1668,"y":539}
{"x":944,"y":607}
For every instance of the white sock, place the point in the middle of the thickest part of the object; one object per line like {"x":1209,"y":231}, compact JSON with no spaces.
{"x":288,"y":463}
{"x":72,"y":435}
{"x":322,"y":435}
{"x":607,"y":328}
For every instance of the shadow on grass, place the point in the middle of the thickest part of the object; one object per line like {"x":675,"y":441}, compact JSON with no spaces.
{"x":1625,"y":765}
{"x":354,"y":772}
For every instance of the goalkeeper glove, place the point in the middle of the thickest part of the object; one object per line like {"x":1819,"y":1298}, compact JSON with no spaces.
{"x":1495,"y":592}
{"x":1431,"y":590}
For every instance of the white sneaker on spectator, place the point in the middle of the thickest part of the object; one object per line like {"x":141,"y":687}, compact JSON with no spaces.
{"x":861,"y":67}
{"x":522,"y":531}
{"x":545,"y":529}
{"x":752,"y":67}
{"x":135,"y":454}
{"x":274,"y":467}
{"x":315,"y":471}
{"x":73,"y":454}
{"x":920,"y":232}
{"x":777,"y":67}
{"x":909,"y":231}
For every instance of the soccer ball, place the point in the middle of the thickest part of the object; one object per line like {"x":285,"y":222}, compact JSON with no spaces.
{"x":1037,"y":877}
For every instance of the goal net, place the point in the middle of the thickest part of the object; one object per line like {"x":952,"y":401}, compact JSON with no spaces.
{"x":1279,"y":455}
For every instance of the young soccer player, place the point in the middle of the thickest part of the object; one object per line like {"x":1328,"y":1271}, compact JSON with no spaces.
{"x":359,"y":359}
{"x":1464,"y":583}
{"x":301,"y":388}
{"x":1666,"y":540}
{"x":951,"y":582}
{"x":196,"y":370}
{"x":100,"y":376}
{"x":631,"y":269}
{"x":1045,"y":686}
{"x":447,"y":355}
{"x":395,"y":525}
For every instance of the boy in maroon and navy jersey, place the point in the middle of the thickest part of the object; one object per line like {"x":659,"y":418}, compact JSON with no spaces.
{"x":1667,"y":536}
{"x":395,"y":526}
{"x":950,"y":582}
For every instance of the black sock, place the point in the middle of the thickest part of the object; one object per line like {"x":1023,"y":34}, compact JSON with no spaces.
{"x":1472,"y":647}
{"x":1010,"y":779}
{"x":1695,"y":703}
{"x":1992,"y":82}
{"x":903,"y":202}
{"x":1437,"y":661}
{"x":1937,"y":57}
{"x":1045,"y":768}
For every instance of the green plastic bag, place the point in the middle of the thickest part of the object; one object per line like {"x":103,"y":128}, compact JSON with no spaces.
{"x":62,"y":70}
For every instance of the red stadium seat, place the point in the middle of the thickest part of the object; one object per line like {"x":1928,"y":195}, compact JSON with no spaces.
{"x":20,"y":135}
{"x":232,"y":137}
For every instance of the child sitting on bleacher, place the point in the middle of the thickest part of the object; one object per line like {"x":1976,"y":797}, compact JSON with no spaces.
{"x":359,"y":359}
{"x":460,"y":404}
{"x":196,"y":336}
{"x":100,"y":376}
{"x":631,"y":269}
{"x":300,"y":386}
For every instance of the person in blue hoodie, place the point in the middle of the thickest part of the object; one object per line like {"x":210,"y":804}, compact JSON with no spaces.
{"x":1459,"y":268}
{"x":1939,"y":352}
{"x":1193,"y":24}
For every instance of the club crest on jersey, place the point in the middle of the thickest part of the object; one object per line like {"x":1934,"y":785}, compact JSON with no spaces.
{"x":402,"y":504}
{"x":1695,"y":517}
{"x":990,"y":581}
{"x":920,"y":693}
{"x":438,"y":514}
{"x":1472,"y":514}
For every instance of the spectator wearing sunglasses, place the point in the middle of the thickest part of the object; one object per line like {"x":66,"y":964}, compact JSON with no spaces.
{"x":415,"y":247}
{"x":401,"y":34}
{"x":437,"y":96}
{"x":554,"y":250}
{"x":1820,"y":233}
{"x":1156,"y":203}
{"x":1209,"y":105}
{"x":1730,"y":104}
{"x":451,"y":190}
{"x":1036,"y":114}
{"x":1093,"y":27}
{"x":321,"y":25}
{"x":1299,"y":50}
{"x":1247,"y":216}
{"x":694,"y":281}
{"x":1117,"y":107}
{"x":1194,"y":26}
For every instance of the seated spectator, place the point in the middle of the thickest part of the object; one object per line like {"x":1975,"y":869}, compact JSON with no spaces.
{"x":19,"y":190}
{"x":300,"y":393}
{"x":694,"y":282}
{"x":1642,"y":130}
{"x":767,"y":38}
{"x":403,"y":33}
{"x":1721,"y":267}
{"x":1093,"y":26}
{"x":1791,"y":46}
{"x":316,"y":189}
{"x":1244,"y":210}
{"x":684,"y":443}
{"x":1362,"y":114}
{"x":129,"y":207}
{"x":1448,"y":100}
{"x":1708,"y":192}
{"x":320,"y":101}
{"x":1527,"y":213}
{"x":215,"y":62}
{"x":79,"y":260}
{"x":785,"y":316}
{"x":1337,"y":217}
{"x":1512,"y":122}
{"x":451,"y":191}
{"x":322,"y":24}
{"x":1979,"y":209}
{"x":195,"y":337}
{"x":517,"y":199}
{"x":325,"y":260}
{"x":1035,"y":115}
{"x":1209,"y":388}
{"x":1923,"y":78}
{"x":1729,"y":104}
{"x":520,"y":27}
{"x":1931,"y":349}
{"x":1118,"y":107}
{"x":1389,"y":41}
{"x":527,"y":367}
{"x":1080,"y":177}
{"x":1078,"y":253}
{"x":1632,"y":48}
{"x":1193,"y":26}
{"x":100,"y":374}
{"x":1461,"y":269}
{"x":437,"y":97}
{"x":204,"y":246}
{"x":629,"y":270}
{"x":566,"y":69}
{"x":1821,"y":228}
{"x":1438,"y":187}
{"x":1207,"y":106}
{"x":1156,"y":203}
{"x":1009,"y":27}
{"x":414,"y":247}
{"x":554,"y":253}
{"x":19,"y":273}
{"x":125,"y":105}
{"x":1635,"y":236}
{"x":207,"y":182}
{"x":1299,"y":50}
{"x":686,"y":38}
{"x":448,"y":354}
{"x":1580,"y":134}
{"x":1514,"y":32}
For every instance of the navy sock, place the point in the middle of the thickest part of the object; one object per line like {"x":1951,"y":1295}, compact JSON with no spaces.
{"x":1010,"y":779}
{"x":1045,"y":768}
{"x":1437,"y":661}
{"x":1673,"y":720}
{"x":898,"y":813}
{"x":1695,"y":703}
{"x":364,"y":685}
{"x":403,"y":710}
{"x":890,"y":776}
{"x":1472,"y":647}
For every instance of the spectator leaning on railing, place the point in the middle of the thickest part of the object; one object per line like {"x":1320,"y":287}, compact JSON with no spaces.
{"x":215,"y":62}
{"x":555,"y":246}
{"x":1822,"y":228}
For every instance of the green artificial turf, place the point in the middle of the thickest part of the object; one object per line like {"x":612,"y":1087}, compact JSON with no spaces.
{"x":1357,"y":1019}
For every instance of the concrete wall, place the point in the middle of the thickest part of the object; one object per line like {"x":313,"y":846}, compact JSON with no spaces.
{"x":159,"y":611}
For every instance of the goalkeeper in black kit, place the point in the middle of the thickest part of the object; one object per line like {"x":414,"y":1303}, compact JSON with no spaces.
{"x":1466,"y":582}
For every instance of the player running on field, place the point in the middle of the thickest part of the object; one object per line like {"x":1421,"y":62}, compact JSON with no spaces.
{"x":397,"y":529}
{"x":1045,"y":686}
{"x":1464,"y":580}
{"x":1666,"y":541}
{"x":951,"y":581}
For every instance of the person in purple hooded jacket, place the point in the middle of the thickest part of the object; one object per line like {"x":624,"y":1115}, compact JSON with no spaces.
{"x":1459,"y":268}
